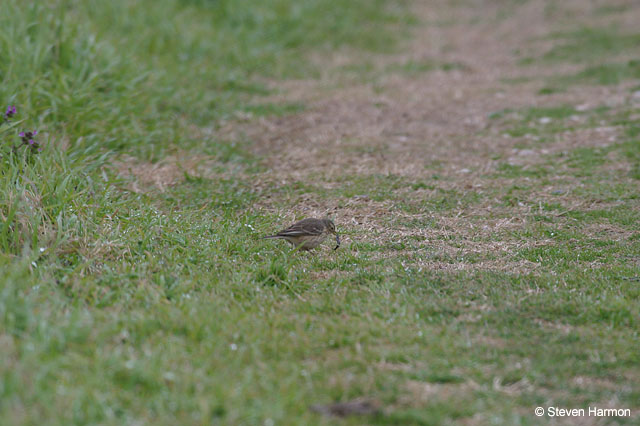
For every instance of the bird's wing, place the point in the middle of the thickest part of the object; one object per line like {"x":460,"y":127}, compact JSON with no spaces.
{"x":304,"y":227}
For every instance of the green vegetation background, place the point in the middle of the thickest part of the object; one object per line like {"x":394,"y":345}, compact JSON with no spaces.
{"x":164,"y":308}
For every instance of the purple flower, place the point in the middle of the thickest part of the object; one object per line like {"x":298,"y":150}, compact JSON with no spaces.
{"x":29,"y":141}
{"x":27,"y":136}
{"x":11,"y":111}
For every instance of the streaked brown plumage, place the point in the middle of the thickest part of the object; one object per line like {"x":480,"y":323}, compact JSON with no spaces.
{"x":308,"y":233}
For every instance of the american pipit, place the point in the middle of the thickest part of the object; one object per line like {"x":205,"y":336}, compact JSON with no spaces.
{"x":308,"y":233}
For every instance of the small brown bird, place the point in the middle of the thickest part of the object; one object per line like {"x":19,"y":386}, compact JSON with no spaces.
{"x":308,"y":233}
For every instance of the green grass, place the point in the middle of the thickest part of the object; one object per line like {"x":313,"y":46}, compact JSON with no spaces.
{"x":592,"y":44}
{"x":270,"y":109}
{"x":548,"y":90}
{"x":544,"y":124}
{"x":539,"y":123}
{"x":611,"y":73}
{"x":64,"y":65}
{"x":577,"y":210}
{"x":603,"y":74}
{"x":107,"y":296}
{"x":610,"y":9}
{"x":374,"y":73}
{"x":164,"y":305}
{"x":536,"y":113}
{"x":596,"y":47}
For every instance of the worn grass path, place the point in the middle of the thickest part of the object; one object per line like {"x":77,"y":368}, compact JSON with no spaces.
{"x":482,"y":165}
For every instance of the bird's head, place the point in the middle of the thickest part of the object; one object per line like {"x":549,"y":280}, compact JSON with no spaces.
{"x":330,"y":225}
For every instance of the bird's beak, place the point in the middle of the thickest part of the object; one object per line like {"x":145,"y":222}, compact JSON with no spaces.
{"x":337,"y":241}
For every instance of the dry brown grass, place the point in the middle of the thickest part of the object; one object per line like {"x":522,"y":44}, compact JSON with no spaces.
{"x":420,"y":393}
{"x":143,"y":175}
{"x":403,"y":122}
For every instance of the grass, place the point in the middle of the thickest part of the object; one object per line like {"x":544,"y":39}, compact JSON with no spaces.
{"x":602,"y":74}
{"x":417,"y":67}
{"x":599,"y":48}
{"x":201,"y":66}
{"x":611,"y":73}
{"x":538,"y":123}
{"x":374,"y":73}
{"x":591,"y":44}
{"x":451,"y":299}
